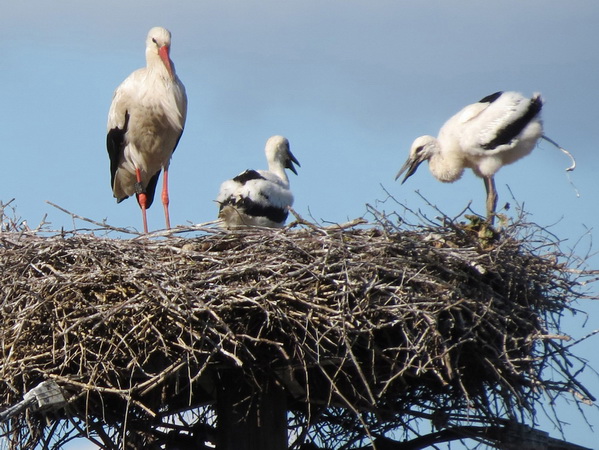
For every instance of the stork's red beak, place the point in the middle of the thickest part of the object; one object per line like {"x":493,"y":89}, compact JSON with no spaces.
{"x":163,"y":53}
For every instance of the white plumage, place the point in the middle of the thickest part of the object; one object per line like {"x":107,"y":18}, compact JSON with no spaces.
{"x":260,"y":197}
{"x":485,"y":136}
{"x":145,"y":122}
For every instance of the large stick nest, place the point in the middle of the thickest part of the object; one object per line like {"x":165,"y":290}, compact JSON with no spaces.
{"x":364,"y":328}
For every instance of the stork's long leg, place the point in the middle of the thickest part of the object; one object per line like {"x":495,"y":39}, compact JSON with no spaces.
{"x":165,"y":199}
{"x":142,"y":198}
{"x":491,"y":198}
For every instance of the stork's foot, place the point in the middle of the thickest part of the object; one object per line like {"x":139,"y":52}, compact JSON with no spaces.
{"x":486,"y":233}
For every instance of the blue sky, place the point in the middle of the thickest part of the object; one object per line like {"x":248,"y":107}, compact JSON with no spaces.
{"x":349,"y":83}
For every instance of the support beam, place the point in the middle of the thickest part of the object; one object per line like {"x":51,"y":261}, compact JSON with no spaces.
{"x":250,"y":418}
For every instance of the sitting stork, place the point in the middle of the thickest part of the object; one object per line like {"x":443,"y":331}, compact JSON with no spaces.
{"x":145,"y":123}
{"x":260,"y":197}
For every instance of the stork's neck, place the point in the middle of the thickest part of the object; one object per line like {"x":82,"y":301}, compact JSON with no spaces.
{"x":445,"y":164}
{"x":279,"y":170}
{"x":156,"y":66}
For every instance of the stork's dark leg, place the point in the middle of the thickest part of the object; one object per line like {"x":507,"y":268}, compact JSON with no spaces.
{"x":165,"y":199}
{"x":142,"y":198}
{"x":491,"y":198}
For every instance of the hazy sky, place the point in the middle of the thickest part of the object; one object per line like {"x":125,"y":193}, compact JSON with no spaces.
{"x":349,"y":83}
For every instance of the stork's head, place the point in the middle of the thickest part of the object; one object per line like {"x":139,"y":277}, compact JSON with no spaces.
{"x":422,"y":149}
{"x":158,"y":43}
{"x":278,"y":153}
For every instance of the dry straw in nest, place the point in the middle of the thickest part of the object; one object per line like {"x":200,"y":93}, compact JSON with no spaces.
{"x":362,"y":328}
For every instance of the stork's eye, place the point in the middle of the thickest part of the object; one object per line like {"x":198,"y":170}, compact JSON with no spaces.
{"x":154,"y":41}
{"x":419,"y":149}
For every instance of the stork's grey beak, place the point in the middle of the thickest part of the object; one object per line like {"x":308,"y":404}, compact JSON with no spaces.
{"x":290,"y":162}
{"x":410,"y":166}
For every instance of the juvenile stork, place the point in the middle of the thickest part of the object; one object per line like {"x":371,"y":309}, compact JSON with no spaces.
{"x":485,"y":136}
{"x":145,"y":123}
{"x":260,"y":197}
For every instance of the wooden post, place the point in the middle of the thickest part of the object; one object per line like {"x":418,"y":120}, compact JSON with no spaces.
{"x":250,"y":419}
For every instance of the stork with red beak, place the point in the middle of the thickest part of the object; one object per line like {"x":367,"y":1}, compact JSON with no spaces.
{"x":145,"y":122}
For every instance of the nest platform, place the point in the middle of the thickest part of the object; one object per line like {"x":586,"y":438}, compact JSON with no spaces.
{"x":358,"y":330}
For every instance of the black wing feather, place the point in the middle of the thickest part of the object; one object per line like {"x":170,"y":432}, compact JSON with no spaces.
{"x":513,"y":129}
{"x":273,"y":213}
{"x":150,"y":189}
{"x":115,"y":144}
{"x":254,"y":209}
{"x":491,"y":98}
{"x":248,"y":175}
{"x":177,"y":143}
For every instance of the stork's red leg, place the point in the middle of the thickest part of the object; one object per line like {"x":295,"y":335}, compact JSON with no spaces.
{"x":142,"y":198}
{"x":165,"y":199}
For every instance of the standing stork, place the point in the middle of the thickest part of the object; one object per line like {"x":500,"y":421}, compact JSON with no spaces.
{"x":260,"y":197}
{"x":485,"y":136}
{"x":145,"y":123}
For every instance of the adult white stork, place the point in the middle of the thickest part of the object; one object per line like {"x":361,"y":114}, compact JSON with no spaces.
{"x":485,"y":136}
{"x":145,"y":123}
{"x":260,"y":197}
